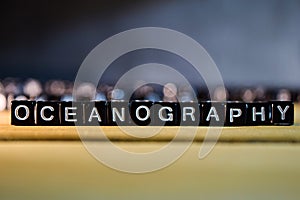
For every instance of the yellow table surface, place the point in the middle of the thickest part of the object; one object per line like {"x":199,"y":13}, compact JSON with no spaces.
{"x":65,"y":170}
{"x":246,"y":163}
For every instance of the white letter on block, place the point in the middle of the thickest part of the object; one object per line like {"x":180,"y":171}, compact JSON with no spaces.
{"x":17,"y":112}
{"x":94,"y":113}
{"x":170,"y":115}
{"x":262,"y":113}
{"x":238,"y":114}
{"x":43,"y":114}
{"x":283,"y":111}
{"x":215,"y":114}
{"x":115,"y":113}
{"x":67,"y":114}
{"x":137,"y":114}
{"x":185,"y":113}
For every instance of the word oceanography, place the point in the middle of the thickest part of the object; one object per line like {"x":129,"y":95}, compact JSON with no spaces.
{"x":147,"y":113}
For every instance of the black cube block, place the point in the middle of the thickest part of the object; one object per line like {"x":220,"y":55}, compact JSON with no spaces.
{"x":47,"y":113}
{"x":72,"y":113}
{"x":258,"y":113}
{"x":165,"y":114}
{"x":141,"y":112}
{"x":212,"y":113}
{"x":95,"y":113}
{"x":23,"y":113}
{"x":282,"y":113}
{"x":236,"y":113}
{"x":118,"y":113}
{"x":189,"y":113}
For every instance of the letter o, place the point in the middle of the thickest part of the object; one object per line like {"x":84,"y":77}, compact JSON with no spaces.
{"x":17,"y":112}
{"x":137,"y":114}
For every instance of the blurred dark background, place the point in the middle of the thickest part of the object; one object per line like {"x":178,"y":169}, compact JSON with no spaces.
{"x":252,"y":42}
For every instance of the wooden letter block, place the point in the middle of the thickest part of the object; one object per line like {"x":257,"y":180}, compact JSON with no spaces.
{"x":95,"y":113}
{"x":236,"y":114}
{"x":213,"y":114}
{"x":22,"y":113}
{"x":118,"y":113}
{"x":282,"y":113}
{"x":165,"y":114}
{"x":140,"y":112}
{"x":190,"y":113}
{"x":72,"y":113}
{"x":258,"y":113}
{"x":47,"y":113}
